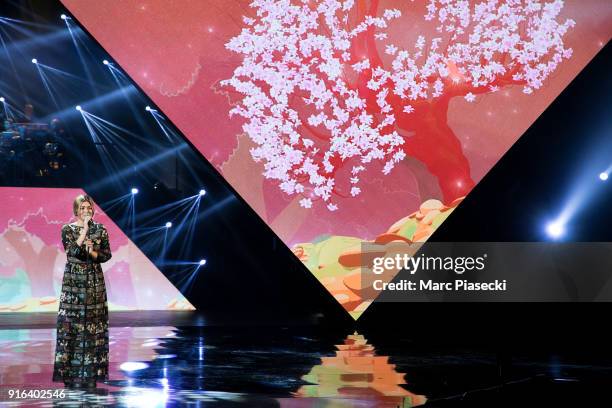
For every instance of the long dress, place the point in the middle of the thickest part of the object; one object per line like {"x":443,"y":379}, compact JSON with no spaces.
{"x":81,"y":350}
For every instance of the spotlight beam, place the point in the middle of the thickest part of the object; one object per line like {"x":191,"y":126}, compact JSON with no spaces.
{"x":97,"y":100}
{"x":191,"y":171}
{"x":61,"y":82}
{"x":119,"y":75}
{"x":167,"y":131}
{"x":169,"y":262}
{"x":24,"y":46}
{"x":63,"y":73}
{"x":189,"y":219}
{"x":586,"y":187}
{"x":185,"y":282}
{"x":132,"y":212}
{"x":162,"y":253}
{"x":81,"y":58}
{"x":115,"y":73}
{"x":186,"y":210}
{"x":141,"y":165}
{"x":114,"y":202}
{"x":122,"y":145}
{"x":107,"y":159}
{"x":12,"y":109}
{"x":12,"y":64}
{"x":16,"y":24}
{"x":166,"y":208}
{"x":47,"y":85}
{"x":7,"y":110}
{"x":217,"y":206}
{"x":15,"y":21}
{"x":148,"y":231}
{"x":192,"y":220}
{"x":23,"y":22}
{"x":152,"y":242}
{"x":119,"y":128}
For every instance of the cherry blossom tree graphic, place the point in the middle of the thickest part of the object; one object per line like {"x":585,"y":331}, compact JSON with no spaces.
{"x":321,"y":103}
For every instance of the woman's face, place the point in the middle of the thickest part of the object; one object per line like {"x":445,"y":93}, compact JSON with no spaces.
{"x":85,"y":209}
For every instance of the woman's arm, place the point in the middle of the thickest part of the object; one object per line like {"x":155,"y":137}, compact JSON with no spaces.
{"x":82,"y":236}
{"x":72,"y":243}
{"x":103,"y":254}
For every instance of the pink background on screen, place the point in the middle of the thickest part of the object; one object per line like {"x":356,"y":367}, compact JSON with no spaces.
{"x":30,"y":242}
{"x":175,"y":52}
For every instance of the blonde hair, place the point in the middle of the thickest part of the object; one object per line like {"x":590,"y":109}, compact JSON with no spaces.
{"x":79,"y":200}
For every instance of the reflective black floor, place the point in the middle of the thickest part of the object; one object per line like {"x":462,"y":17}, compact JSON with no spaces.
{"x":302,"y":367}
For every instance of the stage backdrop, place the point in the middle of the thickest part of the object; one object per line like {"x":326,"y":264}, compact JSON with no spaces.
{"x":348,"y":121}
{"x":32,"y":257}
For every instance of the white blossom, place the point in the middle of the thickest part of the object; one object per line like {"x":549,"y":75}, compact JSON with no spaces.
{"x":296,"y":53}
{"x":306,"y":202}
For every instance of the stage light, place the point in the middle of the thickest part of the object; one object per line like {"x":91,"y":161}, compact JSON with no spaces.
{"x":2,"y":99}
{"x":202,"y":192}
{"x":64,"y":17}
{"x":168,"y":224}
{"x":34,"y":61}
{"x":78,"y":107}
{"x":105,"y":62}
{"x":202,"y":262}
{"x":134,"y":190}
{"x":132,"y":366}
{"x":603,"y":176}
{"x":555,"y":229}
{"x":148,"y":108}
{"x":164,"y":356}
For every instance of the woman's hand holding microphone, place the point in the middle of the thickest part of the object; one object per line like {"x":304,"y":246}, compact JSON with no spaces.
{"x":88,"y":242}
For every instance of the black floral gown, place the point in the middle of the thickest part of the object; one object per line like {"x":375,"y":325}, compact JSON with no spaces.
{"x":81,"y":350}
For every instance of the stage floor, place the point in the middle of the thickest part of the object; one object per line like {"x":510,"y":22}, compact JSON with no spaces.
{"x":193,"y":364}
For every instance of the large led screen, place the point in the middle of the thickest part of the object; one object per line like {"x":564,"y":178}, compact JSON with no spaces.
{"x":343,"y":122}
{"x":33,"y":258}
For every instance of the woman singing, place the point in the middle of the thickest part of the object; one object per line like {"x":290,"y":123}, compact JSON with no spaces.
{"x":81,"y":351}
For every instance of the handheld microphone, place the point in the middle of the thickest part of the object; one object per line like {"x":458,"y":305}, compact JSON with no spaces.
{"x":88,"y":234}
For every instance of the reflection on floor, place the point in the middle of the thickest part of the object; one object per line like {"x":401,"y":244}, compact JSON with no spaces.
{"x":292,"y":367}
{"x":356,"y":371}
{"x":155,"y":366}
